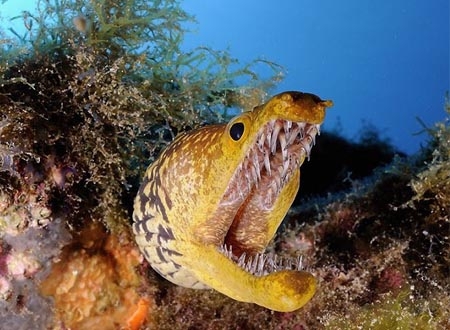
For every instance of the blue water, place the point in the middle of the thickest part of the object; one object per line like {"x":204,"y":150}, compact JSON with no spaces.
{"x":381,"y":62}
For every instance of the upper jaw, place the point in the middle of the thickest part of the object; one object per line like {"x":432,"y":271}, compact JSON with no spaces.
{"x":280,"y":147}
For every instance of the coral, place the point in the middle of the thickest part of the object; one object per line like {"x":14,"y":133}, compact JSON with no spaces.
{"x":27,"y":250}
{"x":95,"y":283}
{"x":25,"y":258}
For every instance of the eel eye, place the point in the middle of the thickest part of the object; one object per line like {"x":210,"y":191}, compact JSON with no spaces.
{"x":236,"y":131}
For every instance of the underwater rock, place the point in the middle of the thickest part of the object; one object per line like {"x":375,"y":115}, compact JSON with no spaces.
{"x":96,"y":285}
{"x":25,"y":259}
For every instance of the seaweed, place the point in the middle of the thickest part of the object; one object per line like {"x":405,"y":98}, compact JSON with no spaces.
{"x":89,"y":95}
{"x":108,"y":86}
{"x":434,"y":179}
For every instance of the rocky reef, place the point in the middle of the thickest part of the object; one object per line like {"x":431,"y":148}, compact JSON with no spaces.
{"x":88,"y":98}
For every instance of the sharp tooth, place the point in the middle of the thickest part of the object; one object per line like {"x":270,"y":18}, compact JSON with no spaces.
{"x":311,"y":133}
{"x":274,"y":138}
{"x":278,"y":177}
{"x":274,"y":263}
{"x":247,"y":176}
{"x":261,"y":263}
{"x":256,"y":164}
{"x":286,"y":126}
{"x":241,"y":260}
{"x":248,"y":264}
{"x":273,"y":147}
{"x":301,"y":126}
{"x":254,"y":264}
{"x":254,"y":175}
{"x":280,"y":169}
{"x":227,"y":251}
{"x":269,"y":132}
{"x":260,"y":143}
{"x":284,"y":150}
{"x":267,"y":163}
{"x":300,"y":263}
{"x":287,"y":129}
{"x":307,"y":147}
{"x":293,"y":135}
{"x":285,"y":167}
{"x":287,"y":264}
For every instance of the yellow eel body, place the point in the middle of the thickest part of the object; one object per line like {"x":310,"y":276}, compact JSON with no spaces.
{"x":216,"y":195}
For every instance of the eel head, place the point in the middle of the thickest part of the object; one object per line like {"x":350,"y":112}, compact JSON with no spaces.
{"x":210,"y":204}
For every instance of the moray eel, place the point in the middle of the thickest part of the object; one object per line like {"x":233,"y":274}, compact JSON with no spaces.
{"x":216,"y":195}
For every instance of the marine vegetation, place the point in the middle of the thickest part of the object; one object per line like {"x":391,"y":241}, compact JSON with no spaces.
{"x":91,"y":94}
{"x":108,"y":96}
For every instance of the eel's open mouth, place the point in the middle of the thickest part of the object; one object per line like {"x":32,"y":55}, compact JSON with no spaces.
{"x":280,"y":148}
{"x":271,"y":163}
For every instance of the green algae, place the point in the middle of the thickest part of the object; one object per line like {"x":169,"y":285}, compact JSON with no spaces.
{"x":93,"y":91}
{"x":398,"y":312}
{"x":434,"y":179}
